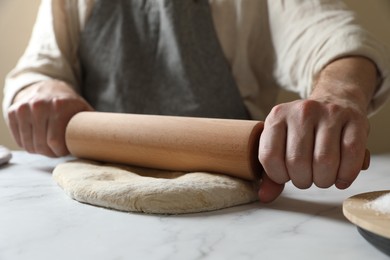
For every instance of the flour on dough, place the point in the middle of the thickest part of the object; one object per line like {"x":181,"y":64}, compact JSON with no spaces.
{"x":151,"y":191}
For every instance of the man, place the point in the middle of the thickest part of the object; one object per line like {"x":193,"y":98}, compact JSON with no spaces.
{"x":209,"y":58}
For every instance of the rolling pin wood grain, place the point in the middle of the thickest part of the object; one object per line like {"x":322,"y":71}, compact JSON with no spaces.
{"x":168,"y":142}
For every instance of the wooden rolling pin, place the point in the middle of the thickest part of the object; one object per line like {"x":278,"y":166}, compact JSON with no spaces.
{"x":168,"y":142}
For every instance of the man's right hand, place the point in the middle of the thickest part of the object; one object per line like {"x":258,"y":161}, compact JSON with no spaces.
{"x":39,"y":115}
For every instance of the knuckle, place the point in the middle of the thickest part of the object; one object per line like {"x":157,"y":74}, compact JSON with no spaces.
{"x":306,"y":109}
{"x":353,"y":147}
{"x":22,"y":109}
{"x":273,"y":165}
{"x":334,"y":109}
{"x":325,"y":159}
{"x":58,"y":101}
{"x":269,"y":159}
{"x":325,"y":167}
{"x":267,"y":156}
{"x":60,"y":104}
{"x":307,"y":105}
{"x":274,"y":117}
{"x":303,"y":111}
{"x":11,"y":113}
{"x":277,"y":109}
{"x":295,"y":160}
{"x":299,"y":170}
{"x":38,"y":105}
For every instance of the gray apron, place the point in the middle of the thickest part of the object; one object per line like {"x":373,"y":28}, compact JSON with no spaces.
{"x":157,"y":57}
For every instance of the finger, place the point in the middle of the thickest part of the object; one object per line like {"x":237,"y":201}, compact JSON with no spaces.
{"x":40,"y":138}
{"x":25,"y":129}
{"x":299,"y":152}
{"x":56,"y":137}
{"x":56,"y":129}
{"x":269,"y":190}
{"x":14,"y":126}
{"x":326,"y":155}
{"x":352,"y":155}
{"x":39,"y":128}
{"x":272,"y":150}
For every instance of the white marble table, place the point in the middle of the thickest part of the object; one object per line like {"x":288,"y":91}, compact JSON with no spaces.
{"x":38,"y":221}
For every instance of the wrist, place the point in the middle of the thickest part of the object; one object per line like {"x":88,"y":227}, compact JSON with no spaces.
{"x":44,"y":89}
{"x":349,"y":81}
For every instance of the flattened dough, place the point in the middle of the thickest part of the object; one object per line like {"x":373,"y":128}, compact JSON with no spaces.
{"x":151,"y":191}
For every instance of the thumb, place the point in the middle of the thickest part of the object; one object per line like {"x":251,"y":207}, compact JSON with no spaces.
{"x":269,"y":190}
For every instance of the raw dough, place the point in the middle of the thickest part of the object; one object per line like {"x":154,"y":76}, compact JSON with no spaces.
{"x":151,"y":191}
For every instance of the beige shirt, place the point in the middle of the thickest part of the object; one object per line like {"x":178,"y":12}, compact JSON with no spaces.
{"x":268,"y":44}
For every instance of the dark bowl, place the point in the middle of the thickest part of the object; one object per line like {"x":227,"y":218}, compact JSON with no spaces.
{"x":381,"y":243}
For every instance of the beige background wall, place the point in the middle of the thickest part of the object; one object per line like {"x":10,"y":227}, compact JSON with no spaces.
{"x":17,"y":18}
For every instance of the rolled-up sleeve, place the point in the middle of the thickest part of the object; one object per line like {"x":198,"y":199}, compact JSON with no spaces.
{"x":51,"y":52}
{"x":308,"y":35}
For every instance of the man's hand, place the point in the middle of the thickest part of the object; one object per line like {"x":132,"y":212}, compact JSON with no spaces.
{"x":39,"y":115}
{"x":320,"y":140}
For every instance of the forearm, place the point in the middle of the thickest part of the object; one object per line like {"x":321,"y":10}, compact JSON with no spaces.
{"x":51,"y":52}
{"x":349,"y":81}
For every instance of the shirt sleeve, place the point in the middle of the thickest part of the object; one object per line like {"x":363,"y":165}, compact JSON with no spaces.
{"x":52,"y":49}
{"x":308,"y":35}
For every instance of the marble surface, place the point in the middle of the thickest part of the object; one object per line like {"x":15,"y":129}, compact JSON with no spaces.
{"x":38,"y":221}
